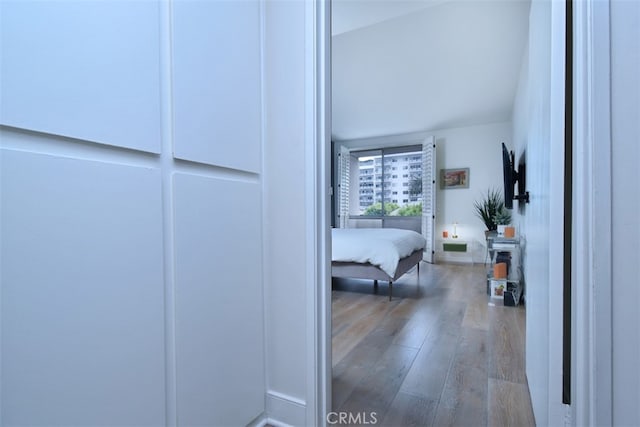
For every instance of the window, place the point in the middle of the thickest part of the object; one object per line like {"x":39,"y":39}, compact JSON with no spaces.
{"x":358,"y":197}
{"x":371,"y":170}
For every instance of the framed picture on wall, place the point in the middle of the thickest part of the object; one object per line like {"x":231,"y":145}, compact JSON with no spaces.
{"x":454,"y":178}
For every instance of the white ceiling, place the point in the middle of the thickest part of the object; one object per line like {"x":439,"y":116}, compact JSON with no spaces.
{"x":407,"y":66}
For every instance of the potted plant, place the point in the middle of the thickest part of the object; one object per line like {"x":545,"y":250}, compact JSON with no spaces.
{"x":488,"y":207}
{"x":502,"y":218}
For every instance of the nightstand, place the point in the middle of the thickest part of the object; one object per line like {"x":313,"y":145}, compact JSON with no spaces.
{"x":456,"y":250}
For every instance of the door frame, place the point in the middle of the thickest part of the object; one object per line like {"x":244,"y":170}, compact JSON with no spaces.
{"x":591,"y":245}
{"x":318,"y":208}
{"x":592,"y":322}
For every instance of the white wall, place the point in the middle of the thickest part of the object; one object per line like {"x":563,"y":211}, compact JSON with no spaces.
{"x":625,"y":110}
{"x":531,"y":139}
{"x":479,"y":149}
{"x":131,"y":283}
{"x":538,"y":137}
{"x":475,"y":147}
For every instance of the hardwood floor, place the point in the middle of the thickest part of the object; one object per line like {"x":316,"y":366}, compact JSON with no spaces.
{"x":439,"y":354}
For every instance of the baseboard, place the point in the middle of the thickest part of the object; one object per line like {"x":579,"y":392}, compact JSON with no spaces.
{"x":260,"y":421}
{"x":285,"y":411}
{"x":281,"y":411}
{"x":263,"y":421}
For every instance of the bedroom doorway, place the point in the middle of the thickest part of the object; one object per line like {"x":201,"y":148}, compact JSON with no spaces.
{"x":374,"y":104}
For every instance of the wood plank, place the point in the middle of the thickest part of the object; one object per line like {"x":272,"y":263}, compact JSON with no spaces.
{"x":477,"y":315}
{"x":509,"y":404}
{"x":464,"y":397}
{"x":469,"y":370}
{"x":342,"y":318}
{"x":414,"y":332}
{"x":351,"y":370}
{"x":521,"y":320}
{"x":421,"y":322}
{"x":406,"y":307}
{"x":408,"y":410}
{"x":378,"y":389}
{"x":357,"y":363}
{"x":506,"y":361}
{"x":460,"y":285}
{"x":385,"y":332}
{"x":355,"y":332}
{"x":464,"y":409}
{"x":427,"y":376}
{"x":341,"y":300}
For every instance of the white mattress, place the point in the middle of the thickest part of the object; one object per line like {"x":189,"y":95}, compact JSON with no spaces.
{"x":382,"y":247}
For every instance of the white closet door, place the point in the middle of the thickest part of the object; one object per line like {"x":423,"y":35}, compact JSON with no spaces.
{"x":429,"y":196}
{"x":343,"y":187}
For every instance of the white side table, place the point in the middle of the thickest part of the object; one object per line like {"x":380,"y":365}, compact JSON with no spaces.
{"x":456,"y":250}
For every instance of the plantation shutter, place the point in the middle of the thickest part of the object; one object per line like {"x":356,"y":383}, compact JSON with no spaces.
{"x":344,"y":163}
{"x":429,"y":197}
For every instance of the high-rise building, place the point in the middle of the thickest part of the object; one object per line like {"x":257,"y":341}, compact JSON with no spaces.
{"x":394,"y":180}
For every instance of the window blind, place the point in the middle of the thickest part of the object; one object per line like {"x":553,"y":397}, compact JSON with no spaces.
{"x":429,"y":196}
{"x":344,"y":163}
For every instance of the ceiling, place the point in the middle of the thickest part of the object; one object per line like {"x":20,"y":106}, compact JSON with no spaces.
{"x":409,"y":66}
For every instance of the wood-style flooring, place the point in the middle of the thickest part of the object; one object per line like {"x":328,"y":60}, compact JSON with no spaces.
{"x":439,"y":354}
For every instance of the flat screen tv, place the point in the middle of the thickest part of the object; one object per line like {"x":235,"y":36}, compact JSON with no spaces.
{"x":507,"y":173}
{"x":511,"y":176}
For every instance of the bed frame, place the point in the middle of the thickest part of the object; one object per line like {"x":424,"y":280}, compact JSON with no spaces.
{"x":355,"y":270}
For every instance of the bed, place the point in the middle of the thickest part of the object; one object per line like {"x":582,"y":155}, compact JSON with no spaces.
{"x":375,"y":253}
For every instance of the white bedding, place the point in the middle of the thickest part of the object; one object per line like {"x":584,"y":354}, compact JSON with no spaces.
{"x":382,"y":247}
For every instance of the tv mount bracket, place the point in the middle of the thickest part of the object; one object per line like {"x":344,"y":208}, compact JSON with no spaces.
{"x":522,"y":197}
{"x":519,"y":197}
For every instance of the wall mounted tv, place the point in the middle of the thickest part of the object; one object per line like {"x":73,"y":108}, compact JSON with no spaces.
{"x":511,"y":177}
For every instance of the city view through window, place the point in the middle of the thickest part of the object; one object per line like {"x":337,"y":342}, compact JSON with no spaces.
{"x":390,"y":184}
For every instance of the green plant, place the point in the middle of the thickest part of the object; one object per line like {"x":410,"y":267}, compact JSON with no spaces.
{"x":410,"y":210}
{"x":376,"y":209}
{"x":488,"y":207}
{"x":502,"y":217}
